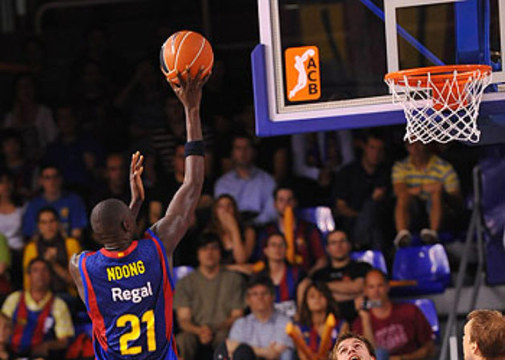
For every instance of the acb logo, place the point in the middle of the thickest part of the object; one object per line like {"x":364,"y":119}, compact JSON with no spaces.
{"x":303,"y":77}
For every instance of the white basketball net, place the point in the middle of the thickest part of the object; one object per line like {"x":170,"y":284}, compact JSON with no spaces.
{"x":441,"y":112}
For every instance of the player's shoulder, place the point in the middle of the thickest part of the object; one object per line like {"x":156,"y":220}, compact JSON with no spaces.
{"x":76,"y":258}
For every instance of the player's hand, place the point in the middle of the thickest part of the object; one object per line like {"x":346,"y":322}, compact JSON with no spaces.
{"x":50,"y":254}
{"x":136,"y":185}
{"x":189,"y":90}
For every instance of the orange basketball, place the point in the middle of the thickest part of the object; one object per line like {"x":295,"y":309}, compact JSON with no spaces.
{"x":185,"y":49}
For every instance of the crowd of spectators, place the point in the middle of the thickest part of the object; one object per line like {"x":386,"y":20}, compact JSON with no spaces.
{"x":60,"y":158}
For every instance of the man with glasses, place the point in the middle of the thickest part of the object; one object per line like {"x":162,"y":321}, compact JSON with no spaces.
{"x":264,"y":329}
{"x":70,"y":207}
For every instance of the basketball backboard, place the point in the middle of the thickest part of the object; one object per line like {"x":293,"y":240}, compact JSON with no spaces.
{"x":321,"y":63}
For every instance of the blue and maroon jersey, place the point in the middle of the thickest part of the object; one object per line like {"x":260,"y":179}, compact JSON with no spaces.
{"x":128,"y":296}
{"x":312,"y":338}
{"x":31,"y":327}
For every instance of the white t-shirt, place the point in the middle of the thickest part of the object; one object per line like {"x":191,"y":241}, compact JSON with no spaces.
{"x":10,"y":226}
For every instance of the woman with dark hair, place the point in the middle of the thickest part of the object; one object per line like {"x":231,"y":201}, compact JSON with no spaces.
{"x":316,"y":305}
{"x":33,"y":120}
{"x":238,"y":241}
{"x":11,"y":219}
{"x":51,"y":244}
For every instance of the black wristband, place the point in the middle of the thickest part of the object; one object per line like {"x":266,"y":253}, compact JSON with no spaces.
{"x":194,"y":148}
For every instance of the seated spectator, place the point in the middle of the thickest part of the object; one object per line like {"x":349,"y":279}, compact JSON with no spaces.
{"x":5,"y":262}
{"x":309,"y":250}
{"x":143,"y":98}
{"x":343,"y":276}
{"x":401,"y":329}
{"x":207,"y":301}
{"x":5,"y":335}
{"x":15,"y":163}
{"x":116,"y":181}
{"x":71,"y":209}
{"x":349,"y":344}
{"x":263,"y":329}
{"x":11,"y":216}
{"x":54,"y":248}
{"x":316,"y":156}
{"x":289,"y":281}
{"x":426,"y":187}
{"x":361,"y":191}
{"x":316,"y":305}
{"x":483,"y":335}
{"x":250,"y":186}
{"x":33,"y":120}
{"x":37,"y":305}
{"x":74,"y":153}
{"x":237,"y":240}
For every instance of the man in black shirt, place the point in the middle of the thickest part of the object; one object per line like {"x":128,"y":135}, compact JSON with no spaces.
{"x":344,"y":276}
{"x":361,"y":195}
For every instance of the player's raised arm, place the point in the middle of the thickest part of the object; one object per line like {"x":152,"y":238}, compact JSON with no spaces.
{"x":172,"y":227}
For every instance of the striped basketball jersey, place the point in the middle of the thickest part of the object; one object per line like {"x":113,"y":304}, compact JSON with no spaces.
{"x":128,"y":295}
{"x":31,"y":327}
{"x":313,"y":340}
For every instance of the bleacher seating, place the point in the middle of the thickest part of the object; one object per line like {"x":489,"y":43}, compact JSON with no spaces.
{"x":427,"y":306}
{"x":180,"y":271}
{"x":428,"y":265}
{"x":373,"y":257}
{"x":320,"y":216}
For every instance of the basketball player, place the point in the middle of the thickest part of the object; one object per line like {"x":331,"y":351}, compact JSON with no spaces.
{"x":350,"y":346}
{"x":126,"y":286}
{"x":484,"y":336}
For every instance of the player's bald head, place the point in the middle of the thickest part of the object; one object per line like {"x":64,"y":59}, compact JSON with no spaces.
{"x":109,"y":216}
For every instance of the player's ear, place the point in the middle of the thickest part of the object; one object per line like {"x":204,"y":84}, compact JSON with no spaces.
{"x":126,"y":225}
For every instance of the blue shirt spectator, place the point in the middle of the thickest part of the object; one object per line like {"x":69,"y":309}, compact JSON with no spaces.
{"x":69,"y":206}
{"x":265,"y":328}
{"x":251,"y":187}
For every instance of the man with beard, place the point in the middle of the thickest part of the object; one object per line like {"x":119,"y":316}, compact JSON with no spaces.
{"x":344,"y":276}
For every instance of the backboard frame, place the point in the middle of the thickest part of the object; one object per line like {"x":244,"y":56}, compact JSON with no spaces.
{"x":274,"y":118}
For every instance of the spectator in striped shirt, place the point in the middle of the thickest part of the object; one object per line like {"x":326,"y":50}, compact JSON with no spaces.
{"x":427,"y":189}
{"x":41,"y":322}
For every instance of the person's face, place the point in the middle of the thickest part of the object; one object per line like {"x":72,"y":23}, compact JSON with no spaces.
{"x":316,"y":300}
{"x":209,"y":255}
{"x":373,"y":152}
{"x":260,"y":299}
{"x":276,"y":248}
{"x":116,"y":169}
{"x":375,"y":287}
{"x":40,"y":276}
{"x":92,"y":74}
{"x":417,"y":149}
{"x":179,"y":160}
{"x":25,"y":90}
{"x":48,"y":225}
{"x":338,"y":246}
{"x":5,"y":185}
{"x":11,"y":148}
{"x":353,"y":349}
{"x":174,"y":111}
{"x":66,"y":121}
{"x":283,"y":199}
{"x":224,"y":204}
{"x":50,"y":180}
{"x":469,"y":348}
{"x":242,"y":153}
